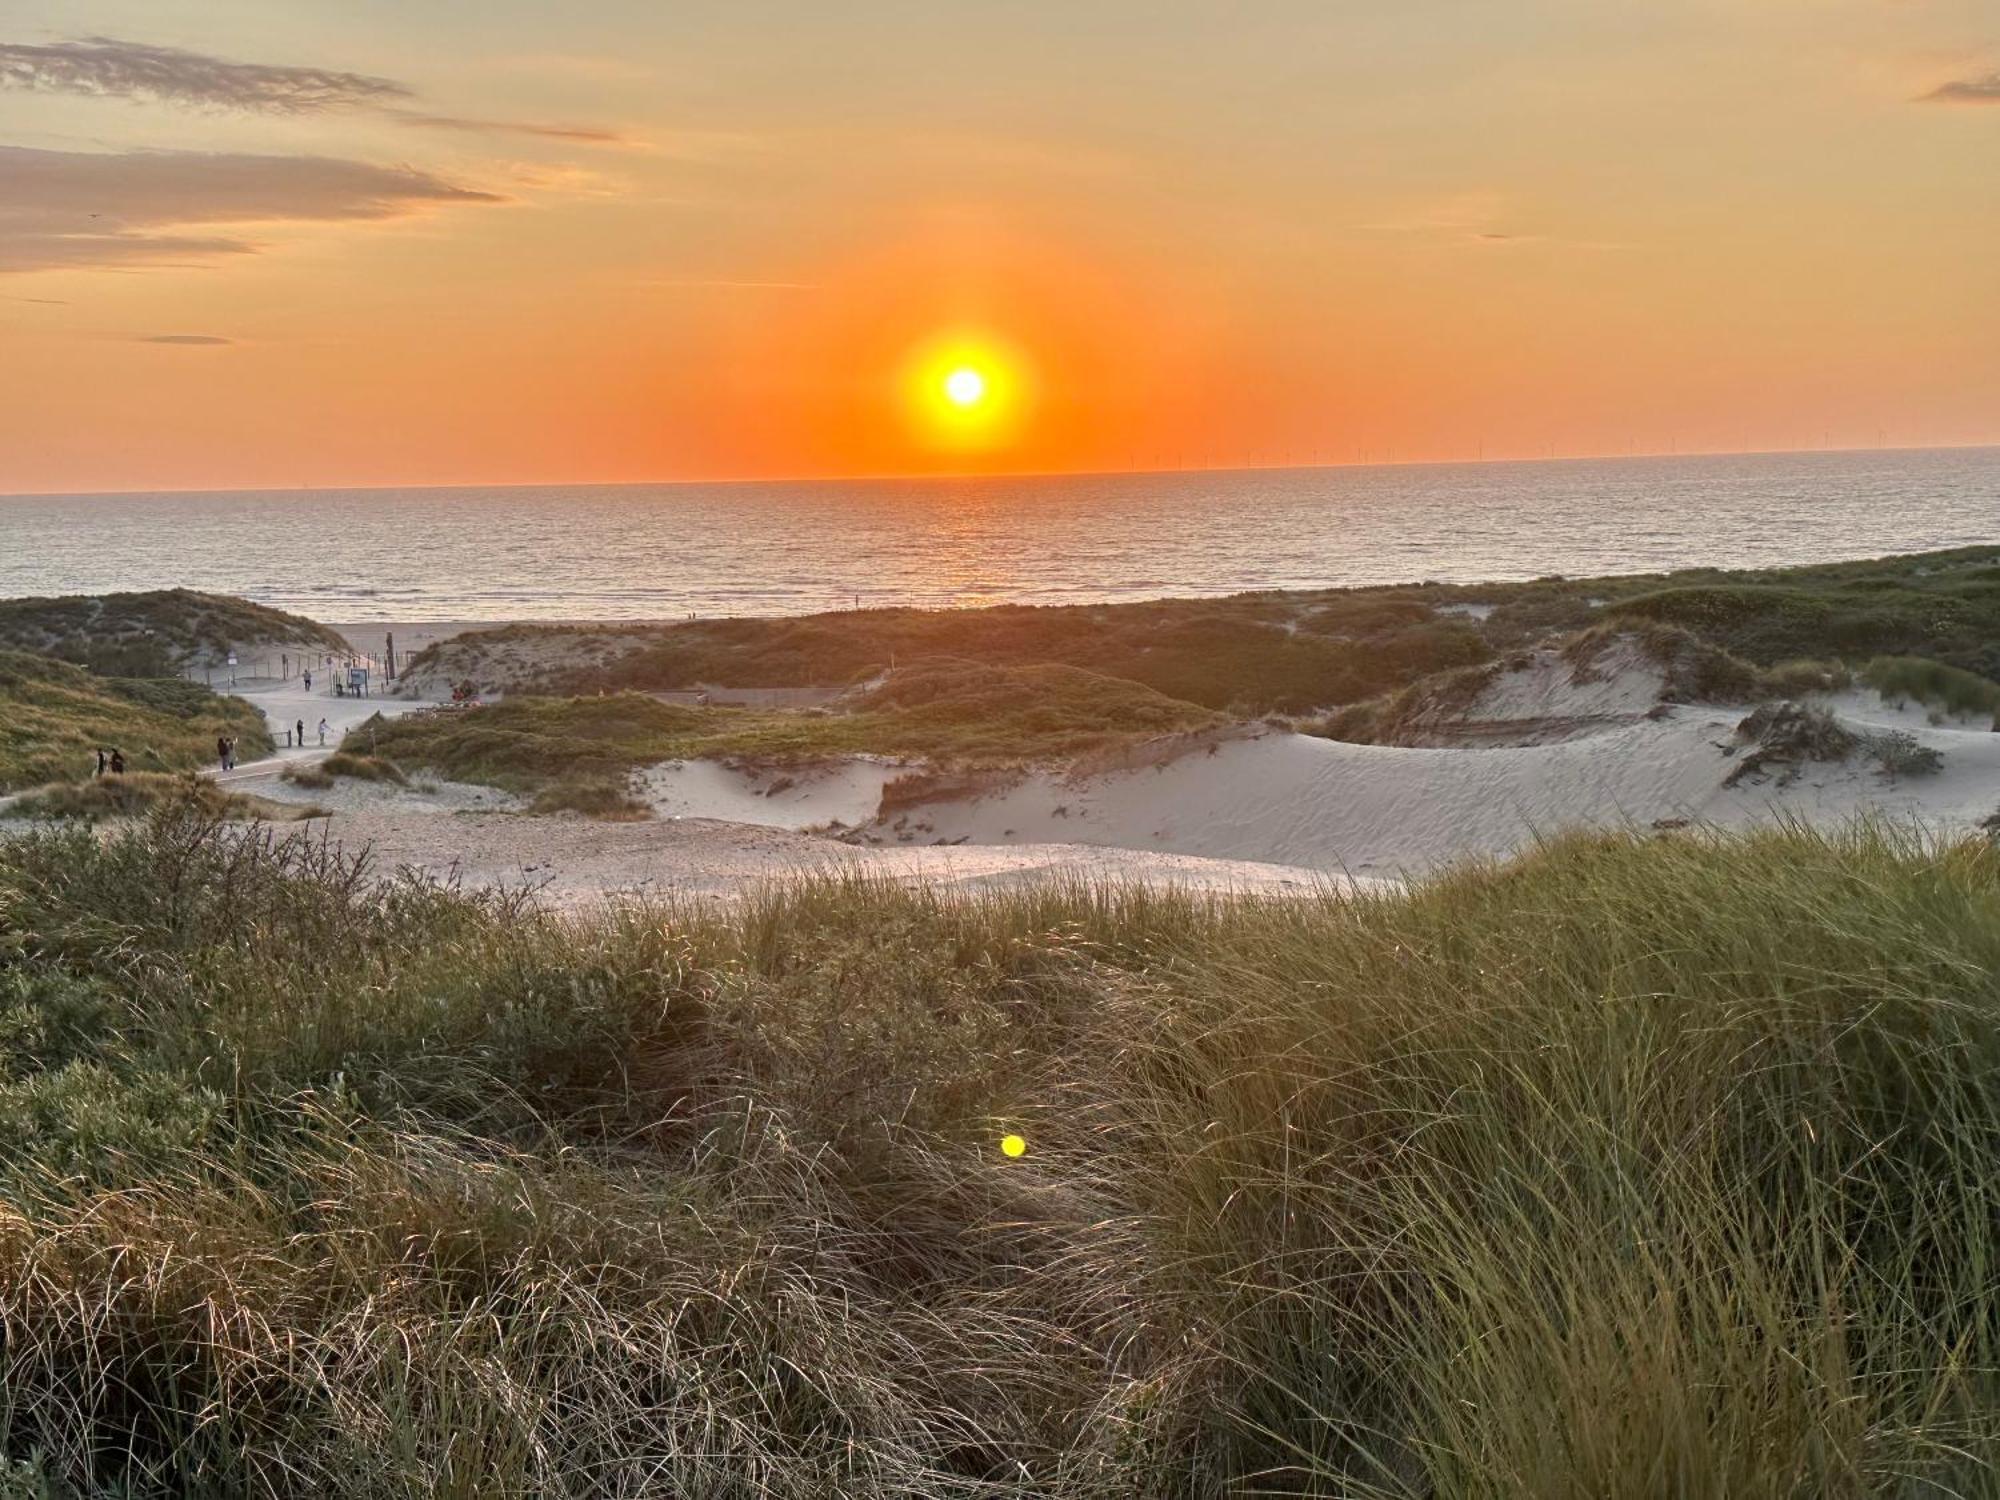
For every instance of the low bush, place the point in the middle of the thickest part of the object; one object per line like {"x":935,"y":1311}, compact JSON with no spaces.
{"x":602,"y":797}
{"x":1898,"y":753}
{"x":1934,"y":684}
{"x":1804,"y":677}
{"x":361,"y":767}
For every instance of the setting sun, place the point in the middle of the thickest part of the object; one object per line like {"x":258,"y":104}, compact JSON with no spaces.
{"x":967,"y":393}
{"x":965,"y":387}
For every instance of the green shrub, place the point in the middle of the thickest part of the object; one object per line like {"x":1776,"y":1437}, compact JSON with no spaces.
{"x":1898,"y":753}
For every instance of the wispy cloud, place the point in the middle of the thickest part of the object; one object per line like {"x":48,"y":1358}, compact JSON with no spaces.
{"x":731,"y":283}
{"x":1473,"y":219}
{"x":590,"y":135}
{"x":112,"y":68}
{"x":201,"y":340}
{"x":126,"y":208}
{"x":1468,"y":213}
{"x":1966,"y":91}
{"x":108,"y":67}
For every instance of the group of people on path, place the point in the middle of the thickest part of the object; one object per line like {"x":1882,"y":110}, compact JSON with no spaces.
{"x":111,"y":761}
{"x":225,"y":747}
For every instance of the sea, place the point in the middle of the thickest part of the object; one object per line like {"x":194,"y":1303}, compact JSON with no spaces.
{"x":666,"y":551}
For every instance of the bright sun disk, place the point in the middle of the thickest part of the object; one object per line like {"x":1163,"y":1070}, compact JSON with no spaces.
{"x":965,"y":386}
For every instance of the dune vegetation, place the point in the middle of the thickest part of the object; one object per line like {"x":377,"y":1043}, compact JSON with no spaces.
{"x":54,"y":717}
{"x":1691,"y":670}
{"x":579,"y":751}
{"x":137,"y":793}
{"x":153,"y":634}
{"x":1949,"y":690}
{"x":1639,"y":1166}
{"x":1292,"y":652}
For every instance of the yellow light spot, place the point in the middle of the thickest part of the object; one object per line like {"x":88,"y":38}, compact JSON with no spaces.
{"x":966,"y":392}
{"x":1013,"y":1145}
{"x":965,"y":386}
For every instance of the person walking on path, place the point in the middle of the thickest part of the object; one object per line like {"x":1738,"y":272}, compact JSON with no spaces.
{"x":102,"y":761}
{"x":300,"y":740}
{"x":222,"y":751}
{"x":117,"y":762}
{"x":322,"y":732}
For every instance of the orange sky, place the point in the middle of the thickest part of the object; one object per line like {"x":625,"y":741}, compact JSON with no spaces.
{"x":273,"y":243}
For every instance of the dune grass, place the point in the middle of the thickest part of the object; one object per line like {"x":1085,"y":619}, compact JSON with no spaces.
{"x":607,"y":798}
{"x":1692,"y":671}
{"x":138,"y":793}
{"x":948,"y":712}
{"x":155,"y":633}
{"x":54,"y":717}
{"x":321,"y":774}
{"x":357,"y":767}
{"x":1230,"y":655}
{"x":1935,"y":685}
{"x":1291,"y":652}
{"x":1637,"y":1167}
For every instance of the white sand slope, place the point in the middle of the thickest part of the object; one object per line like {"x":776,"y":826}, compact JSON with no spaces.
{"x":1390,"y":810}
{"x":1540,"y":746}
{"x":575,"y":863}
{"x":846,"y":792}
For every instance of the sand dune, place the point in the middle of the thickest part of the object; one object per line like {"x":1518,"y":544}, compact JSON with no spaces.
{"x":1390,"y":810}
{"x":1537,"y":747}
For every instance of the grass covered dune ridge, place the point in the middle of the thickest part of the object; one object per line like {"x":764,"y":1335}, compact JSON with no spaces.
{"x":155,"y":633}
{"x":570,"y":751}
{"x":1293,"y":652}
{"x":1637,"y":1166}
{"x":54,"y":717}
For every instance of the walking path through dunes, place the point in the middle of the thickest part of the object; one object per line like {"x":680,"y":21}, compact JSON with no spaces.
{"x":1386,"y":809}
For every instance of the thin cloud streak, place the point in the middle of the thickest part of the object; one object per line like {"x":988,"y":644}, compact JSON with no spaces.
{"x":188,"y":340}
{"x":716,"y":281}
{"x":1966,"y":91}
{"x":110,"y":68}
{"x":589,"y":135}
{"x":68,"y":209}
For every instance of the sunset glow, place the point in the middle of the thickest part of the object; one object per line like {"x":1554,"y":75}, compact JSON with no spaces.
{"x":369,"y":248}
{"x":968,"y":395}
